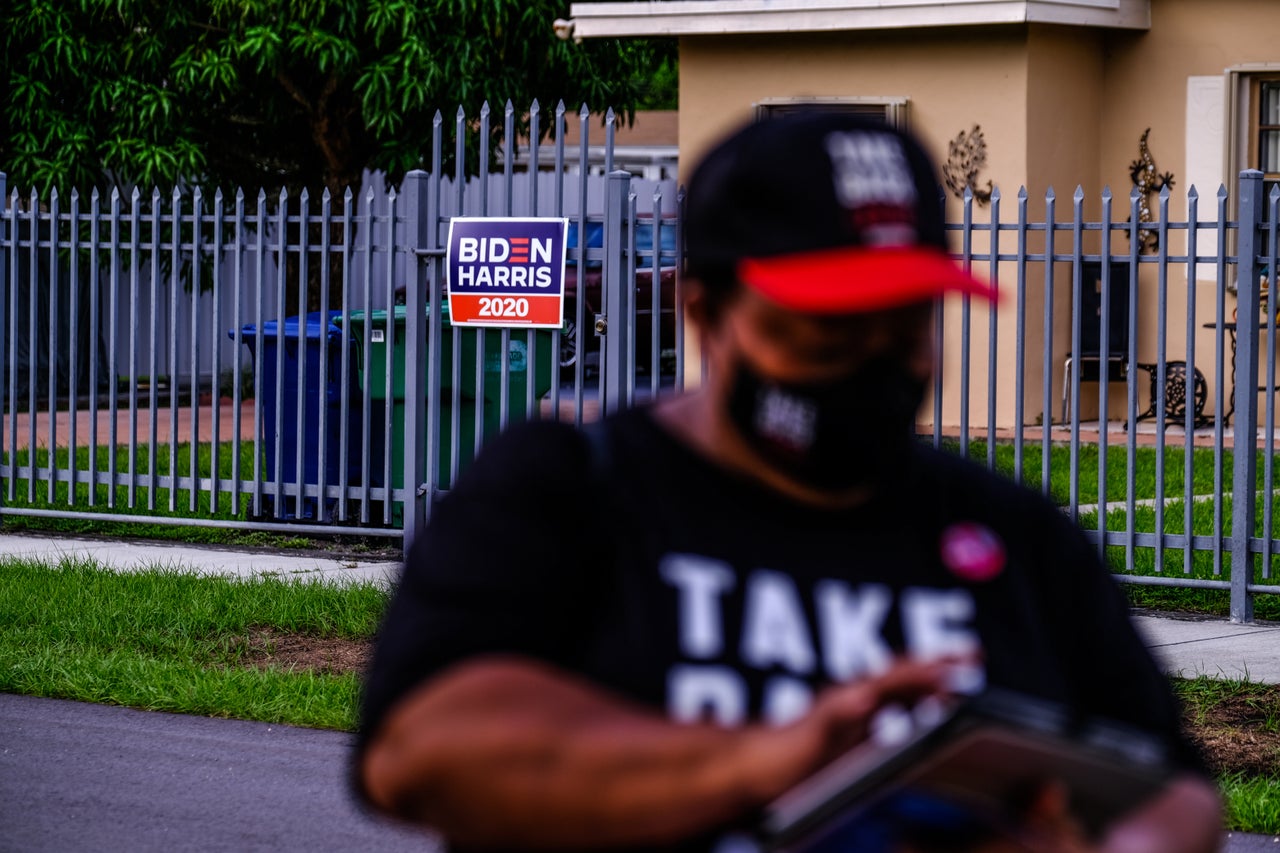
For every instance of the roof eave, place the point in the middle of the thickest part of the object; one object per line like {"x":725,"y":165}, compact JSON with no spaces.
{"x":723,"y":17}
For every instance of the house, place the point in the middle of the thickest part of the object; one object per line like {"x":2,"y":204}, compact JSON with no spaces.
{"x":1038,"y":94}
{"x":646,"y":146}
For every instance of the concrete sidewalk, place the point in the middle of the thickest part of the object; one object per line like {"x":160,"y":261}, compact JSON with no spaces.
{"x":129,"y":555}
{"x":1188,"y":646}
{"x":1185,"y":646}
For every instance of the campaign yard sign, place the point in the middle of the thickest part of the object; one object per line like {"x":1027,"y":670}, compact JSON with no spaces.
{"x":506,"y":271}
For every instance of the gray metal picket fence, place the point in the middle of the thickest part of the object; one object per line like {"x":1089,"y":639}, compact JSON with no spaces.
{"x":195,"y":358}
{"x":1208,"y":524}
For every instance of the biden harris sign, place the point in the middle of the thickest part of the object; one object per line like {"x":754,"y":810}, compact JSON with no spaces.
{"x":506,"y":272}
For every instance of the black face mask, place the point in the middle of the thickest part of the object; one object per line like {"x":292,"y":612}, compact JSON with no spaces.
{"x":835,"y":435}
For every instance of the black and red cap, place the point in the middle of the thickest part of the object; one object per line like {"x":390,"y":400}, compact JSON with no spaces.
{"x":823,"y":213}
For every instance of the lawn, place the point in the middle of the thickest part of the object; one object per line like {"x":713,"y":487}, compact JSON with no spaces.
{"x":161,"y":503}
{"x":174,"y":641}
{"x":291,"y":652}
{"x":1154,"y":474}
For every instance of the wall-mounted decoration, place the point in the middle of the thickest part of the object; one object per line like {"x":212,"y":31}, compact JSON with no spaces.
{"x":966,"y":156}
{"x":1148,"y":181}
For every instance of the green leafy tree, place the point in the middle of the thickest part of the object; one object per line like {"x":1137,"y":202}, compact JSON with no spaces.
{"x":279,"y":93}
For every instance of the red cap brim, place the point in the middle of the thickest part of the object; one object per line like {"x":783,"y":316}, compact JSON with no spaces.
{"x":853,"y":280}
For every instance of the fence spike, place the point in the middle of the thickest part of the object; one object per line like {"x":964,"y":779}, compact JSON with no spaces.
{"x":217,"y":196}
{"x":347,"y":196}
{"x":484,"y":109}
{"x":1193,"y":193}
{"x":534,"y":108}
{"x":75,"y":195}
{"x":584,"y":112}
{"x":1164,"y":193}
{"x":510,"y":109}
{"x":609,"y":117}
{"x":262,"y":195}
{"x":325,"y":197}
{"x":995,"y":194}
{"x":304,"y":196}
{"x":1134,"y":195}
{"x":1078,"y":196}
{"x":284,"y":195}
{"x":1106,"y":192}
{"x":1049,"y":194}
{"x":197,"y":196}
{"x":177,"y":193}
{"x":93,"y":195}
{"x":560,"y":108}
{"x":53,"y":194}
{"x":1022,"y":192}
{"x":1222,"y":192}
{"x":461,"y":113}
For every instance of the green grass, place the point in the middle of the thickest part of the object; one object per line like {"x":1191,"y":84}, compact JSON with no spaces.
{"x":172,"y":641}
{"x":129,"y":500}
{"x":1252,"y":800}
{"x":1171,"y":487}
{"x":1146,"y":461}
{"x":1251,"y":804}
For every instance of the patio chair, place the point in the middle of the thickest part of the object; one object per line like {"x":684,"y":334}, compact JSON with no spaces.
{"x":1089,"y":362}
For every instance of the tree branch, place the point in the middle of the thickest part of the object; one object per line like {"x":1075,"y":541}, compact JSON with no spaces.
{"x":294,"y":92}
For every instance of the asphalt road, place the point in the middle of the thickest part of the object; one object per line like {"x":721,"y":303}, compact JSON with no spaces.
{"x":82,"y":777}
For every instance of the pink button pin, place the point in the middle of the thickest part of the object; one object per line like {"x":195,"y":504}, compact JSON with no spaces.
{"x":972,"y":551}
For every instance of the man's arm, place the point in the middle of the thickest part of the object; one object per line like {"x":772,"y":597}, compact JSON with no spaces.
{"x":508,"y":752}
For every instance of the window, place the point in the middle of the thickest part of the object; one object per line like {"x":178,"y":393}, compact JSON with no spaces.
{"x":1253,"y":122}
{"x":1267,"y":136}
{"x":892,"y":111}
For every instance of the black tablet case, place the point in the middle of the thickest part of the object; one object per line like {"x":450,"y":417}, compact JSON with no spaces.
{"x":988,"y":756}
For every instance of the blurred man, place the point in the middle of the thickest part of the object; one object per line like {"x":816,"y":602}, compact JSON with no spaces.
{"x":637,"y":635}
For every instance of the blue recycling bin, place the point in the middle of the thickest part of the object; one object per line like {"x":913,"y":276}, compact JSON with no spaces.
{"x":321,"y":338}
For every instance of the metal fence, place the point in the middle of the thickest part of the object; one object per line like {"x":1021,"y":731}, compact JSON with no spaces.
{"x":236,"y":360}
{"x":202,"y":359}
{"x":1122,"y":302}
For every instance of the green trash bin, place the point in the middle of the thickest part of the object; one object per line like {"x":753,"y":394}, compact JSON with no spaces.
{"x":518,"y":371}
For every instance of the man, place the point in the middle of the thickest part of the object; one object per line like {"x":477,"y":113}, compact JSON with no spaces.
{"x":639,"y":636}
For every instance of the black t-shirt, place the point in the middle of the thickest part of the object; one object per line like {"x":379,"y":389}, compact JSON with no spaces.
{"x":639,"y":564}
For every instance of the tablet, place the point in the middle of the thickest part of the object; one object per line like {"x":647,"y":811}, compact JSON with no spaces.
{"x":972,"y":770}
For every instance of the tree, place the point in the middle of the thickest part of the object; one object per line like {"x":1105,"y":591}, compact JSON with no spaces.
{"x":277,"y":93}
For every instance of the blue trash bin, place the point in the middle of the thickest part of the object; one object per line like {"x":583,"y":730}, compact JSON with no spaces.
{"x":322,"y":339}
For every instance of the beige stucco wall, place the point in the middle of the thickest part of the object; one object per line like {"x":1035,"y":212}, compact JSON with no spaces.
{"x":1060,"y":107}
{"x":1146,"y":76}
{"x":950,"y":86}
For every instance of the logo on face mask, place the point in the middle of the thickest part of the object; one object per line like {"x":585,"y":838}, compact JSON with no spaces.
{"x":789,"y":420}
{"x":852,"y":431}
